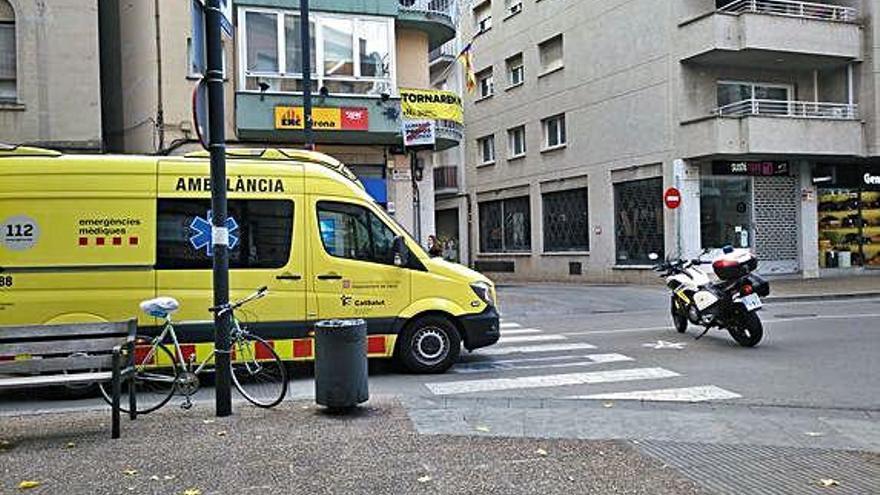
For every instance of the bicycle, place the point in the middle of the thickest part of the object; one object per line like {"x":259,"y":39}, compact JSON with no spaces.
{"x":257,"y":371}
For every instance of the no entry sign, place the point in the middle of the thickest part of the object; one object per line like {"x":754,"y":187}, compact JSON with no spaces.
{"x":672,"y":198}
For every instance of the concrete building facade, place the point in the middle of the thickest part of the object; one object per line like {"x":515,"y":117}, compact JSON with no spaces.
{"x":762,"y":114}
{"x":50,"y":76}
{"x":363,"y":53}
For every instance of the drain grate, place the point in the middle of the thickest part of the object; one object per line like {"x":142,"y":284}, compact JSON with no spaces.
{"x":738,"y":469}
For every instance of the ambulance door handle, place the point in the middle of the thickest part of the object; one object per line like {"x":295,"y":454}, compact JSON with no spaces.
{"x":330,"y":276}
{"x":288,"y":276}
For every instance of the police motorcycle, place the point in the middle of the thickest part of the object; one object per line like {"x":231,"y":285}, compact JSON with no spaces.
{"x":730,"y":303}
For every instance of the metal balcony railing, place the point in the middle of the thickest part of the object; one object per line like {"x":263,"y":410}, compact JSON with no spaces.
{"x":449,"y":129}
{"x":445,"y":8}
{"x":446,"y":178}
{"x":446,"y":50}
{"x":792,"y":109}
{"x":806,"y":10}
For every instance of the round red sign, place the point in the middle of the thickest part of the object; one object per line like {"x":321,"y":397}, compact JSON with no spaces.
{"x":672,"y":198}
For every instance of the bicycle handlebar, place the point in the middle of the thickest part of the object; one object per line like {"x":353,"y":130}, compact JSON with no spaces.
{"x":231,"y":306}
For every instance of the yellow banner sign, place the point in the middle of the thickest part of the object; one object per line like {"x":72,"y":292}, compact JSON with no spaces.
{"x":324,"y":119}
{"x":431,"y":104}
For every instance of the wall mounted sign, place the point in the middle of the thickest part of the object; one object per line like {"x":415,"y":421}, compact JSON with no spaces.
{"x":324,"y":119}
{"x":760,"y":169}
{"x":418,"y":134}
{"x":672,"y":198}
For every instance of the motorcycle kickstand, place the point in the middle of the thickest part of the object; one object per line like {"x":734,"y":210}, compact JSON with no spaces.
{"x":705,"y":330}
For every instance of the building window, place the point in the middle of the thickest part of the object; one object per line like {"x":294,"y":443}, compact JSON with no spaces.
{"x":486,"y":83}
{"x":566,"y":221}
{"x":505,"y":226}
{"x":638,"y":210}
{"x":486,"y":148}
{"x":516,"y":142}
{"x":8,"y":53}
{"x":554,"y":131}
{"x":264,"y":234}
{"x":354,"y":232}
{"x":550,"y":54}
{"x":512,"y":7}
{"x":762,"y":98}
{"x":515,"y":70}
{"x":348,"y":54}
{"x":483,"y":17}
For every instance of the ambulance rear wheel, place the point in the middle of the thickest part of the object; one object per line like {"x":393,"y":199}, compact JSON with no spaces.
{"x":430,"y":344}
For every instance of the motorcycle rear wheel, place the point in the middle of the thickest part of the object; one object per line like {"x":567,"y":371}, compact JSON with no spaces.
{"x":748,"y":330}
{"x":679,"y":315}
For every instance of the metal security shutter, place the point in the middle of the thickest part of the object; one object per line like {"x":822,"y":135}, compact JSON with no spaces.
{"x":776,"y":224}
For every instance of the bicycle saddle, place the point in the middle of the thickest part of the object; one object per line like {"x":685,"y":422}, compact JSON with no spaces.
{"x":160,"y":307}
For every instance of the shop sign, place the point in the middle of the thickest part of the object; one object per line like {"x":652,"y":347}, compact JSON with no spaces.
{"x":760,"y":169}
{"x":324,"y":119}
{"x":431,"y":104}
{"x":871,"y":180}
{"x":418,"y":134}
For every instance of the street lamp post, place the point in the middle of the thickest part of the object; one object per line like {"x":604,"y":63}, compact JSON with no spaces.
{"x":219,"y":231}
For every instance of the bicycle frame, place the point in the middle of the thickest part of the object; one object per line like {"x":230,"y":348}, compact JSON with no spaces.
{"x":185,"y":365}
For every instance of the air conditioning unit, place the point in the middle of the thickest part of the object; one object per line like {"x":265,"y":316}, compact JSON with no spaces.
{"x":515,"y":8}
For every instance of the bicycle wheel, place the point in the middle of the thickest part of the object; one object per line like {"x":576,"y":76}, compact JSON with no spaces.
{"x":257,"y":371}
{"x":154,"y":385}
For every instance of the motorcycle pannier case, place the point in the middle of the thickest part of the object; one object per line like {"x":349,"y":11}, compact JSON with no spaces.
{"x":760,"y":286}
{"x":729,"y":269}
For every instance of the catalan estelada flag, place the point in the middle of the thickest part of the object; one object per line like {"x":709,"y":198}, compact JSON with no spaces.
{"x":465,"y":57}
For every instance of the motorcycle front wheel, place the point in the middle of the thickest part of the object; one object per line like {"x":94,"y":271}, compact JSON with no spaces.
{"x":747,"y":331}
{"x":679,"y":315}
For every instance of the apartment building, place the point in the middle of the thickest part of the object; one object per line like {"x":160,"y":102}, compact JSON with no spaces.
{"x":761,"y":113}
{"x":50,"y":77}
{"x":362,"y":53}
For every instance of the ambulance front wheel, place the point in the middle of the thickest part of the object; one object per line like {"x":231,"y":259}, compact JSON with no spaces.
{"x":430,"y":344}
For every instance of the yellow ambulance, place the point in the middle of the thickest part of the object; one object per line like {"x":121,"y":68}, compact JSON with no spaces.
{"x":86,"y":238}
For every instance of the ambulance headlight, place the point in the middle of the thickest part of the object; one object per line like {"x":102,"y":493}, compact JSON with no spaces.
{"x":484,"y":292}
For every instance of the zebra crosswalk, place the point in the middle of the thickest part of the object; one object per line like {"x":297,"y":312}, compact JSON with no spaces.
{"x":528,"y":358}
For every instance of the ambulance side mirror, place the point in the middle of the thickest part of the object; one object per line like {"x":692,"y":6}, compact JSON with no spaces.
{"x":400,"y":251}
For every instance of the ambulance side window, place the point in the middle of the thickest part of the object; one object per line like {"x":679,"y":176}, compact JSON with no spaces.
{"x":354,"y":232}
{"x":260,"y":238}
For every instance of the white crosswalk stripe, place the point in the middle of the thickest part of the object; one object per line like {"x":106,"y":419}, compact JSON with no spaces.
{"x":686,"y":394}
{"x":534,"y":364}
{"x":498,"y":351}
{"x":507,"y":324}
{"x":542,"y":381}
{"x":516,"y":339}
{"x":520,"y":331}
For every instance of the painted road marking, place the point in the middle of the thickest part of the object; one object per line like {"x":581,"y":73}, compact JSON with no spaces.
{"x":544,"y":381}
{"x":520,"y":331}
{"x":514,"y":364}
{"x":530,"y":338}
{"x":510,"y":325}
{"x":688,"y":394}
{"x":534,"y":348}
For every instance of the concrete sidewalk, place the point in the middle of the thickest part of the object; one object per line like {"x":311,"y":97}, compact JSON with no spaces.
{"x":295,"y":448}
{"x":833,"y":287}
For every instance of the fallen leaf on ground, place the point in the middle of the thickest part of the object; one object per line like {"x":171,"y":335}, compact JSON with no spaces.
{"x":608,"y":404}
{"x":425,"y":479}
{"x":130,"y":472}
{"x":541,"y":452}
{"x":28,"y":484}
{"x":154,"y":477}
{"x":168,"y":477}
{"x":192,"y":491}
{"x":828,"y":482}
{"x":484,"y":429}
{"x":221,"y":433}
{"x":70,"y":445}
{"x":208,"y":421}
{"x":814,"y":433}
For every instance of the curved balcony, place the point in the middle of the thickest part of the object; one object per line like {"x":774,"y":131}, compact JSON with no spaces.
{"x":448,"y":134}
{"x":436,"y":17}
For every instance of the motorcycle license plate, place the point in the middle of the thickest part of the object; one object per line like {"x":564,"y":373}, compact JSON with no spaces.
{"x":752,"y":302}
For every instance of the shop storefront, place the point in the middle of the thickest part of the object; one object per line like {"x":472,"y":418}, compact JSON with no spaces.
{"x":848,"y":215}
{"x":752,"y":205}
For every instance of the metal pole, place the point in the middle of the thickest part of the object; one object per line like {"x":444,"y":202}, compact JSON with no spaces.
{"x":219,"y":232}
{"x":417,"y":200}
{"x":306,"y":51}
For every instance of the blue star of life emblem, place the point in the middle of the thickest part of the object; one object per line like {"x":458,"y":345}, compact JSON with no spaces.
{"x":201,"y":237}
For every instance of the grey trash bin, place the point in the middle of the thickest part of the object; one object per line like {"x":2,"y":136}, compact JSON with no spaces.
{"x":341,"y":363}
